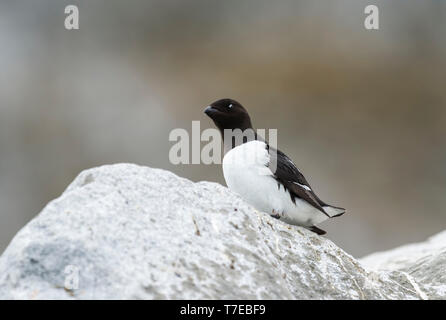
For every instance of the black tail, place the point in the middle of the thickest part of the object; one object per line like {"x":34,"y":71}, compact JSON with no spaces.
{"x":317,"y":230}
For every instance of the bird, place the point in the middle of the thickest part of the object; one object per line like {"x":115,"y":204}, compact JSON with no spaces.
{"x":264,"y":176}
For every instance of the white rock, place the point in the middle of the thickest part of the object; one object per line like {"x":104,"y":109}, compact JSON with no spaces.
{"x":424,"y":262}
{"x":135,"y":232}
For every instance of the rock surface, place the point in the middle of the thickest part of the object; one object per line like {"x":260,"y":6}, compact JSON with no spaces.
{"x":130,"y":232}
{"x":424,"y":262}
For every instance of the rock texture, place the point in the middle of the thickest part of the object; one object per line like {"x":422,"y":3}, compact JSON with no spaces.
{"x":424,"y":262}
{"x":130,"y":232}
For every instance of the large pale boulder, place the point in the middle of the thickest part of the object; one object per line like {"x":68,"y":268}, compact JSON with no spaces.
{"x":125,"y":231}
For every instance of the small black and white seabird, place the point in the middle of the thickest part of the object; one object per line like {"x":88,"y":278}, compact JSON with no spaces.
{"x":265,"y":177}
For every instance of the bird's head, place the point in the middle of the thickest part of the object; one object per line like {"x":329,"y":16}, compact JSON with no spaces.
{"x":228,"y":114}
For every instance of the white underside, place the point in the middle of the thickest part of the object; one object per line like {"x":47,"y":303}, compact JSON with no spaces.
{"x":245,"y":172}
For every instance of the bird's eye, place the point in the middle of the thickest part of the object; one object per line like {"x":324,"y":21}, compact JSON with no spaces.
{"x":230,"y":106}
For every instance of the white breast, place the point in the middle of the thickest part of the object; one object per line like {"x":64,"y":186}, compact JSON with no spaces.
{"x":246,"y":172}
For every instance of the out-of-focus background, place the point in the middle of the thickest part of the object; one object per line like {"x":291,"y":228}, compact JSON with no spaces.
{"x":362,"y":113}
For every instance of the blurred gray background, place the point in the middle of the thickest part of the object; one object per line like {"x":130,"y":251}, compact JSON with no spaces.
{"x":362,"y":113}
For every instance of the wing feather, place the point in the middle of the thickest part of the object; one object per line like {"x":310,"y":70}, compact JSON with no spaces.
{"x":286,"y":173}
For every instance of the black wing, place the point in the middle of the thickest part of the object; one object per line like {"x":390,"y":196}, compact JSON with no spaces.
{"x":286,"y":174}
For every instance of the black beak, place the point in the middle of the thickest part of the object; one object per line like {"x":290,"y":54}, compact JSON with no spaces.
{"x":209,"y":110}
